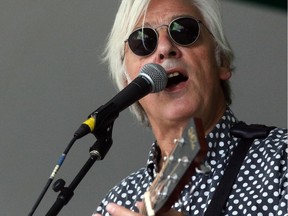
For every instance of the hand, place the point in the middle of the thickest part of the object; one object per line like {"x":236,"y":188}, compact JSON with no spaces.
{"x":116,"y":210}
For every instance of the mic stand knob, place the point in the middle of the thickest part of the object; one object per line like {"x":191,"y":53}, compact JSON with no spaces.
{"x":58,"y":185}
{"x":97,"y":152}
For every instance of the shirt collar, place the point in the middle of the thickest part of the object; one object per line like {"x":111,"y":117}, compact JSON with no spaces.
{"x":219,"y":139}
{"x":221,"y":130}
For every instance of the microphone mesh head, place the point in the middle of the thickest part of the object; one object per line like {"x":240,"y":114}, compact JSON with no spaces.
{"x":156,"y":75}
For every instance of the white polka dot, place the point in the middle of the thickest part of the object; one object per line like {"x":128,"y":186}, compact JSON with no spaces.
{"x":253,"y":208}
{"x":255,"y":192}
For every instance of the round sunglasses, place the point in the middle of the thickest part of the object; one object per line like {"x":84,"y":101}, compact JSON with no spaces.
{"x":183,"y":31}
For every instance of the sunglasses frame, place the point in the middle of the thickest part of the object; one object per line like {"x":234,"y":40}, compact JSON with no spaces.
{"x":169,"y":33}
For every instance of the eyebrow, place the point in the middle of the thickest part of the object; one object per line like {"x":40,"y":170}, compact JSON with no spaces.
{"x":149,"y":24}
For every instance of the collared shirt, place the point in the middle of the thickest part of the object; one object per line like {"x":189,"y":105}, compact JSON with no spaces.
{"x":260,"y":187}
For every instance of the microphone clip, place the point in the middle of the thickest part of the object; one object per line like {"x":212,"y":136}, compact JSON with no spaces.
{"x":103,"y":143}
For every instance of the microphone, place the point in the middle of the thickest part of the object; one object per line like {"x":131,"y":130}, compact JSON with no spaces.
{"x":152,"y":78}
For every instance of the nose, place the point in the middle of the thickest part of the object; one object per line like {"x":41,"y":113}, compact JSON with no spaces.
{"x":166,"y":47}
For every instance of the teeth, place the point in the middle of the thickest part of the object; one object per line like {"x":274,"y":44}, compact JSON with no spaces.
{"x":173,"y":74}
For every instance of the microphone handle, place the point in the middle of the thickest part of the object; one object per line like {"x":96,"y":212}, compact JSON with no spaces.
{"x":108,"y":112}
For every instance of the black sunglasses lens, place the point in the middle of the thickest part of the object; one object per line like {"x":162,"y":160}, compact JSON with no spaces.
{"x":143,"y":41}
{"x":184,"y":31}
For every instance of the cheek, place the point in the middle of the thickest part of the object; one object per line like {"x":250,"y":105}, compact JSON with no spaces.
{"x":151,"y":103}
{"x":205,"y":70}
{"x":132,"y":65}
{"x":211,"y":70}
{"x":148,"y":100}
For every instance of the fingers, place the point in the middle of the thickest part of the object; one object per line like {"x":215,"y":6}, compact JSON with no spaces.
{"x":116,"y":210}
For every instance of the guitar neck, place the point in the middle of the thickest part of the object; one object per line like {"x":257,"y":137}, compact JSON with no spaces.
{"x":187,"y":155}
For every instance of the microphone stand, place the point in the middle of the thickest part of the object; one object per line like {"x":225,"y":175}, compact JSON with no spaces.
{"x":97,"y":152}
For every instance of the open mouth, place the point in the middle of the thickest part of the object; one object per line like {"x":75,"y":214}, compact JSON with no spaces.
{"x":175,"y":78}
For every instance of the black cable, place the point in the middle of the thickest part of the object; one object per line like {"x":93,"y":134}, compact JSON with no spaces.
{"x":52,"y":176}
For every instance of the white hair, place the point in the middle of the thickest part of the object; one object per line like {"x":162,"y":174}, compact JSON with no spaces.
{"x":129,"y":13}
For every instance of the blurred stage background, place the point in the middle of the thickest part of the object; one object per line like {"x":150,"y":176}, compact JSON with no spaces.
{"x":51,"y":78}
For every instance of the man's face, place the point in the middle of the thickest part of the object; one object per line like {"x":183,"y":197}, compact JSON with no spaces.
{"x":201,"y":94}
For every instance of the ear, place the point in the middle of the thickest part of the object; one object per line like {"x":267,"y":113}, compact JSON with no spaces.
{"x":225,"y":72}
{"x":125,"y":82}
{"x":125,"y":79}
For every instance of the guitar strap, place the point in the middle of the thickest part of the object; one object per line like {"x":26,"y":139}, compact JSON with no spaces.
{"x":247,"y":133}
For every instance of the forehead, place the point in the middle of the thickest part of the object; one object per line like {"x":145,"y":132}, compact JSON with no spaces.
{"x":163,"y":11}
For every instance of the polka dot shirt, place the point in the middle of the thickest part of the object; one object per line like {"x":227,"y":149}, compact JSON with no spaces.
{"x":260,"y":188}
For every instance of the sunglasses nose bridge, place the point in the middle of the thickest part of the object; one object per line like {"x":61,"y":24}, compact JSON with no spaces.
{"x":161,"y":26}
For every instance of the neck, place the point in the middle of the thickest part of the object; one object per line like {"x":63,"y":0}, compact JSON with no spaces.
{"x":165,"y":134}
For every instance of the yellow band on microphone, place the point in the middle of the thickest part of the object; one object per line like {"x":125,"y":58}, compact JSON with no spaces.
{"x":90,"y":123}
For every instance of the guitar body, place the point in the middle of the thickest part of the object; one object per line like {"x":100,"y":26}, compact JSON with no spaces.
{"x":179,"y":166}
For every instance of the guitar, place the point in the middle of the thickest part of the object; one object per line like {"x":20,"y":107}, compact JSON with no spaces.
{"x":186,"y":157}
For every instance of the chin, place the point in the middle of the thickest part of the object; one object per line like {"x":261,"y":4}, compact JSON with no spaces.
{"x":180,"y":115}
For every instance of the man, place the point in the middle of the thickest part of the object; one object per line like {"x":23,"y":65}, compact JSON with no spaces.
{"x":187,"y":39}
